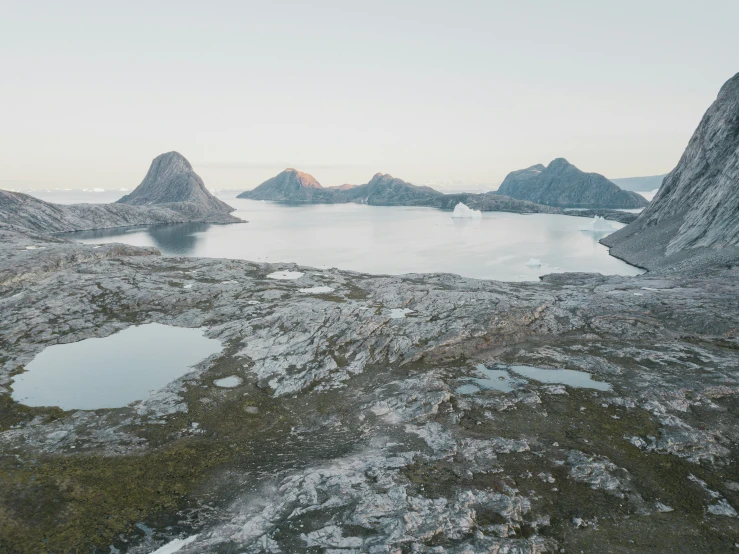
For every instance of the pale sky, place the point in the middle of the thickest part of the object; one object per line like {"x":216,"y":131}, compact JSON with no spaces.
{"x":432,"y":92}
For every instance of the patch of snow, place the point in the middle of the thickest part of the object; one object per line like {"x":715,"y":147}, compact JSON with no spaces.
{"x":35,"y":247}
{"x":285,"y":275}
{"x":598,"y":225}
{"x":399,"y":313}
{"x":664,"y":508}
{"x":534,"y":262}
{"x":317,"y":290}
{"x":722,"y":508}
{"x":187,"y":286}
{"x":461,"y":211}
{"x":175,"y":545}
{"x":228,"y":382}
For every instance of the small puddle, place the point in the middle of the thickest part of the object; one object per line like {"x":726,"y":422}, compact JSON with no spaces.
{"x":114,"y":371}
{"x":502,"y":380}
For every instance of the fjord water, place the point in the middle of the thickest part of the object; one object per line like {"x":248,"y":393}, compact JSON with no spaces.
{"x":114,"y":371}
{"x":384,"y":240}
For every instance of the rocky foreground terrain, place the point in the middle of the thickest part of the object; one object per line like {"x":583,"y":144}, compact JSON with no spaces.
{"x":348,"y":434}
{"x":390,"y":414}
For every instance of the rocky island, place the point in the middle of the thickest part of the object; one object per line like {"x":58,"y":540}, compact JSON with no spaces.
{"x":385,"y":190}
{"x":171,"y":192}
{"x":422,"y":413}
{"x":564,"y":185}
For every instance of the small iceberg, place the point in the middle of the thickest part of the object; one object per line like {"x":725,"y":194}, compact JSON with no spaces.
{"x":463,"y":212}
{"x":317,"y":290}
{"x":285,"y":275}
{"x":534,"y":262}
{"x":598,"y":225}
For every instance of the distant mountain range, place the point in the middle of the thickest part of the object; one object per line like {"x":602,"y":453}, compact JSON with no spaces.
{"x":563,"y":185}
{"x":642,"y":184}
{"x":695,"y":214}
{"x":171,"y":192}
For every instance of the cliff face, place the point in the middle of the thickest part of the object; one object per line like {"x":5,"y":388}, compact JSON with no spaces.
{"x":171,"y":179}
{"x":697,"y":206}
{"x":563,"y":185}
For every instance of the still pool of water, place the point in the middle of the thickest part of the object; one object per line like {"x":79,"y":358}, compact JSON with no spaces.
{"x":569,"y":377}
{"x":501,"y":380}
{"x":113,"y":371}
{"x":384,"y":240}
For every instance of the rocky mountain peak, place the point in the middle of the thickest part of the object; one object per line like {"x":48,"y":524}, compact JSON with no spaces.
{"x":171,"y":179}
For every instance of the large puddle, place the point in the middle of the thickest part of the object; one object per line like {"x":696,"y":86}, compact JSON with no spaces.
{"x":114,"y":371}
{"x":508,"y":378}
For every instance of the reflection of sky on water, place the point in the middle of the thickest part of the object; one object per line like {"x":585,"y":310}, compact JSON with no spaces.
{"x":380,"y":239}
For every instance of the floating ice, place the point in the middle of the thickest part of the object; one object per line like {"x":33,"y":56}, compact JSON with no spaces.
{"x":463,"y":212}
{"x":228,"y":382}
{"x":285,"y":275}
{"x":534,"y":262}
{"x":399,"y":313}
{"x":317,"y":290}
{"x":598,"y":225}
{"x":175,"y":545}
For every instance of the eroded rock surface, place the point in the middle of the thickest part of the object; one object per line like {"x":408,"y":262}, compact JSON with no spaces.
{"x":347,"y":432}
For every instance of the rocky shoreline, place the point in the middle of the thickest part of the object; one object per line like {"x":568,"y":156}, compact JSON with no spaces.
{"x":348,"y":431}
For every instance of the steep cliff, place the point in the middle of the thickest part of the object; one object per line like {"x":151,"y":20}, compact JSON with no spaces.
{"x":696,"y":211}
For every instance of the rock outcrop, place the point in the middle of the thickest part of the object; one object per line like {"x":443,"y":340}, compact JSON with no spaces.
{"x":172,"y":180}
{"x":563,"y":185}
{"x":696,"y":211}
{"x":171,"y":193}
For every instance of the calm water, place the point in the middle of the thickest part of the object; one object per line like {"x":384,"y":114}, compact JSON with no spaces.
{"x":501,"y":380}
{"x":114,"y":371}
{"x":385,"y":240}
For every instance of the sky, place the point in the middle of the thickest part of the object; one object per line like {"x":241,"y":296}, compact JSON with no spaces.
{"x":453,"y":94}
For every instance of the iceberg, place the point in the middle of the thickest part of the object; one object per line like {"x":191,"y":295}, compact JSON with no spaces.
{"x":534,"y":262}
{"x":598,"y":225}
{"x":463,"y":212}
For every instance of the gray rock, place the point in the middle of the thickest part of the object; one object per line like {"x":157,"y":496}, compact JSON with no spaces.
{"x":693,"y":217}
{"x":563,"y":185}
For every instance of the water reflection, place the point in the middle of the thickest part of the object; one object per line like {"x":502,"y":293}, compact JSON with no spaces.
{"x":176,"y":239}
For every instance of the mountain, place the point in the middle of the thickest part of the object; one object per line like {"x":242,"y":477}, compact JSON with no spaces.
{"x":290,"y":185}
{"x":171,"y":192}
{"x":386,"y":190}
{"x":170,"y":180}
{"x":643,"y":184}
{"x":564,"y":185}
{"x":696,"y":211}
